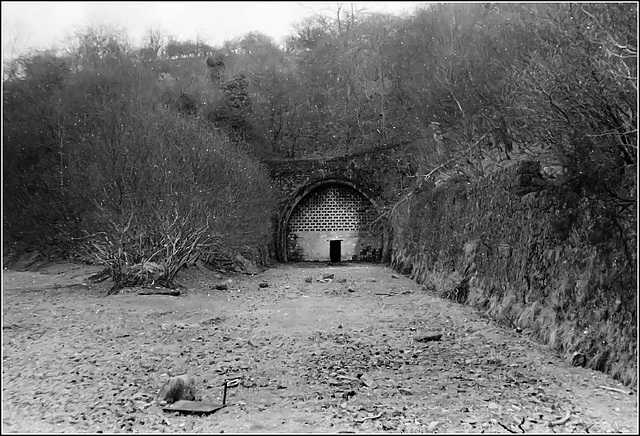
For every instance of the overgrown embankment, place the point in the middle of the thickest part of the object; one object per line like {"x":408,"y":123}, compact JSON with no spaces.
{"x":531,"y":253}
{"x":110,"y":159}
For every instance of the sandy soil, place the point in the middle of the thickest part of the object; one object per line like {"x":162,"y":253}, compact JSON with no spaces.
{"x":341,"y":354}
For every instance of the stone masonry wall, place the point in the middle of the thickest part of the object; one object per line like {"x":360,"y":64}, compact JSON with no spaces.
{"x":501,"y":241}
{"x":374,"y":173}
{"x":369,"y":169}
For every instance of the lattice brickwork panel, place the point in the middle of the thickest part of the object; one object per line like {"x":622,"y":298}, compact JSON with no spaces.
{"x":332,"y":209}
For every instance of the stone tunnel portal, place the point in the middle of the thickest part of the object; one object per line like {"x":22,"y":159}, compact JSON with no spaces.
{"x":332,"y":221}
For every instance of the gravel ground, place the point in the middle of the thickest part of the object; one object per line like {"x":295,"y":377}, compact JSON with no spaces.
{"x":307,"y":353}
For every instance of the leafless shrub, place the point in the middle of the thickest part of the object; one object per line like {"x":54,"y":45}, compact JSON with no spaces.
{"x":177,"y":192}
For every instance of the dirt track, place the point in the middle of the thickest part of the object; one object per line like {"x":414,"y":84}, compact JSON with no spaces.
{"x":341,"y":354}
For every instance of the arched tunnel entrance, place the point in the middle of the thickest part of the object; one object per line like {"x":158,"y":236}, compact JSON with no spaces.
{"x":330,"y":220}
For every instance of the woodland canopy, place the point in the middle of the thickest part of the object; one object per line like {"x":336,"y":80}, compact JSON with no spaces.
{"x":151,"y":155}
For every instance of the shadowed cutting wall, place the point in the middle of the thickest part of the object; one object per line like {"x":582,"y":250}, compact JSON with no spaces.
{"x":504,"y":246}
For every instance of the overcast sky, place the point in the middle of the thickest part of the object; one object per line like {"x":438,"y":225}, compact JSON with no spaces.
{"x":44,"y":25}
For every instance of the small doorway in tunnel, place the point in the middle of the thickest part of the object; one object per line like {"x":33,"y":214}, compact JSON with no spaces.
{"x":335,"y":250}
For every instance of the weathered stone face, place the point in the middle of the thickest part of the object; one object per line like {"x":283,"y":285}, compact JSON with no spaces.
{"x":332,"y":200}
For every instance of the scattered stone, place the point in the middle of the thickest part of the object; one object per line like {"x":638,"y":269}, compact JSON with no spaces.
{"x":347,"y":377}
{"x":395,"y":276}
{"x":389,"y":425}
{"x":308,"y":279}
{"x":328,"y":276}
{"x":212,"y":321}
{"x":578,"y":359}
{"x":247,"y":266}
{"x":367,"y":381}
{"x":263,"y":285}
{"x":432,"y":426}
{"x":349,"y":394}
{"x":405,"y":391}
{"x":350,"y":289}
{"x":178,"y":388}
{"x":428,"y":337}
{"x":222,"y":287}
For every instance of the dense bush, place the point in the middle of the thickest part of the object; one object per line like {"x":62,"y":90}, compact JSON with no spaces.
{"x":94,"y":160}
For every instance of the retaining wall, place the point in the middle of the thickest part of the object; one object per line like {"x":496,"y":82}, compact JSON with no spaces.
{"x":502,"y":247}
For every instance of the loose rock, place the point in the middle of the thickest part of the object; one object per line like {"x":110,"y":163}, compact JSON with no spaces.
{"x":428,"y":337}
{"x":367,"y":381}
{"x":578,"y":359}
{"x":389,"y":425}
{"x":178,"y":388}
